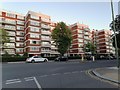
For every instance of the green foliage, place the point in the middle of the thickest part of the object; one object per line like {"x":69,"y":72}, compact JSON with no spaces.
{"x":118,"y":40}
{"x":117,"y":27}
{"x":90,"y":47}
{"x":62,"y":37}
{"x":117,"y":23}
{"x":4,"y":35}
{"x":25,"y":54}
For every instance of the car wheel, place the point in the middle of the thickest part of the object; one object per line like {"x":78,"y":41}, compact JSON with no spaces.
{"x":45,"y":60}
{"x":33,"y":61}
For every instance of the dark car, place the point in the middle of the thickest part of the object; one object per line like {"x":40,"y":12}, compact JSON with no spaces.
{"x":62,"y":58}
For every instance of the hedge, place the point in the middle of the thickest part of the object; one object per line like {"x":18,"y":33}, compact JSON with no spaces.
{"x":13,"y":59}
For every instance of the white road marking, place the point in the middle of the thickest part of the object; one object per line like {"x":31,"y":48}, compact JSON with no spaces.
{"x":12,"y":82}
{"x":75,"y":72}
{"x":55,"y":74}
{"x":67,"y":73}
{"x":44,"y":75}
{"x":29,"y":79}
{"x":38,"y":85}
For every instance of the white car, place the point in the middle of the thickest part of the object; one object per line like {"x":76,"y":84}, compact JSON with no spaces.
{"x":36,"y":59}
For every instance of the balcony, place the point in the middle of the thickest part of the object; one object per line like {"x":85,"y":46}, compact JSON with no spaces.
{"x":46,"y":32}
{"x":45,"y":39}
{"x":45,"y":20}
{"x":45,"y":45}
{"x":9,"y":28}
{"x":45,"y":26}
{"x":54,"y":48}
{"x":45,"y":51}
{"x":8,"y":21}
{"x":54,"y":52}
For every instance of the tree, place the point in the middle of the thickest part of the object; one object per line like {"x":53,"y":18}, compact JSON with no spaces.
{"x":90,"y":47}
{"x":62,"y":37}
{"x":117,"y":27}
{"x":4,"y":37}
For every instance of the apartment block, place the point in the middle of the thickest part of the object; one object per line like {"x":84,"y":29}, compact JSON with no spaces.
{"x":37,"y":34}
{"x":13,"y":23}
{"x":103,"y":41}
{"x":80,"y":37}
{"x":31,"y":33}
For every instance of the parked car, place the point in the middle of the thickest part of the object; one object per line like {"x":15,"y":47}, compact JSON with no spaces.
{"x":62,"y":58}
{"x":34,"y":59}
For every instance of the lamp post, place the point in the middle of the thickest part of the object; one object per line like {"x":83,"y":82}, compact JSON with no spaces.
{"x":114,"y":29}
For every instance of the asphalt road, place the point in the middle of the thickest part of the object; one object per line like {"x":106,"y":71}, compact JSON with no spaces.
{"x":53,"y":75}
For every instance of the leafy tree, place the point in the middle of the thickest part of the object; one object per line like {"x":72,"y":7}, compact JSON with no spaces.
{"x":62,"y":37}
{"x":117,"y":27}
{"x":90,"y":47}
{"x":4,"y":37}
{"x":25,"y":54}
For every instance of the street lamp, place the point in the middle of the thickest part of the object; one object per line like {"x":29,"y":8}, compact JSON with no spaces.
{"x":114,"y":30}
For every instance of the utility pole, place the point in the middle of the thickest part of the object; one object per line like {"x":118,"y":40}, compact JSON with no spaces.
{"x":114,"y":29}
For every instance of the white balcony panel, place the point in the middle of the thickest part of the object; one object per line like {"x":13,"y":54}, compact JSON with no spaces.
{"x":46,"y":32}
{"x":45,"y":45}
{"x":45,"y":26}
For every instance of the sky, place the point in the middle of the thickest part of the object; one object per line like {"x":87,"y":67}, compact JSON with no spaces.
{"x":97,"y":15}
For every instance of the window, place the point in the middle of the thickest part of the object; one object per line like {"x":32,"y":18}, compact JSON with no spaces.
{"x":10,"y":45}
{"x":20,"y":28}
{"x":36,"y":23}
{"x":35,"y":17}
{"x":12,"y":39}
{"x":0,"y":13}
{"x":20,"y":22}
{"x":80,"y":31}
{"x":19,"y":50}
{"x":45,"y":19}
{"x":10,"y":21}
{"x":19,"y":44}
{"x":9,"y":27}
{"x":20,"y":39}
{"x":20,"y":17}
{"x":10,"y":51}
{"x":34,"y":36}
{"x":34,"y":29}
{"x":10,"y":15}
{"x":11,"y":33}
{"x":80,"y":40}
{"x":20,"y":33}
{"x":34,"y":48}
{"x":80,"y":36}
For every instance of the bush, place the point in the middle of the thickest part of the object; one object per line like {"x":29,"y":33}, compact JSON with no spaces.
{"x":12,"y":59}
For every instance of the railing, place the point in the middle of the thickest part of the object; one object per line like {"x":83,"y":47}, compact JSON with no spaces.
{"x":45,"y":32}
{"x":45,"y":45}
{"x":46,"y":39}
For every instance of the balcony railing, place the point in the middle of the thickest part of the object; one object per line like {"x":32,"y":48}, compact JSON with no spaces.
{"x":46,"y":39}
{"x":45,"y":51}
{"x":46,"y":32}
{"x":45,"y":26}
{"x":54,"y":52}
{"x":45,"y":45}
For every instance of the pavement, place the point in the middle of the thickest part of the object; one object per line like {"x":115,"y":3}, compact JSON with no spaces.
{"x":108,"y":73}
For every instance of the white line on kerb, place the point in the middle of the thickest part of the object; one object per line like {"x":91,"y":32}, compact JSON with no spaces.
{"x":38,"y":85}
